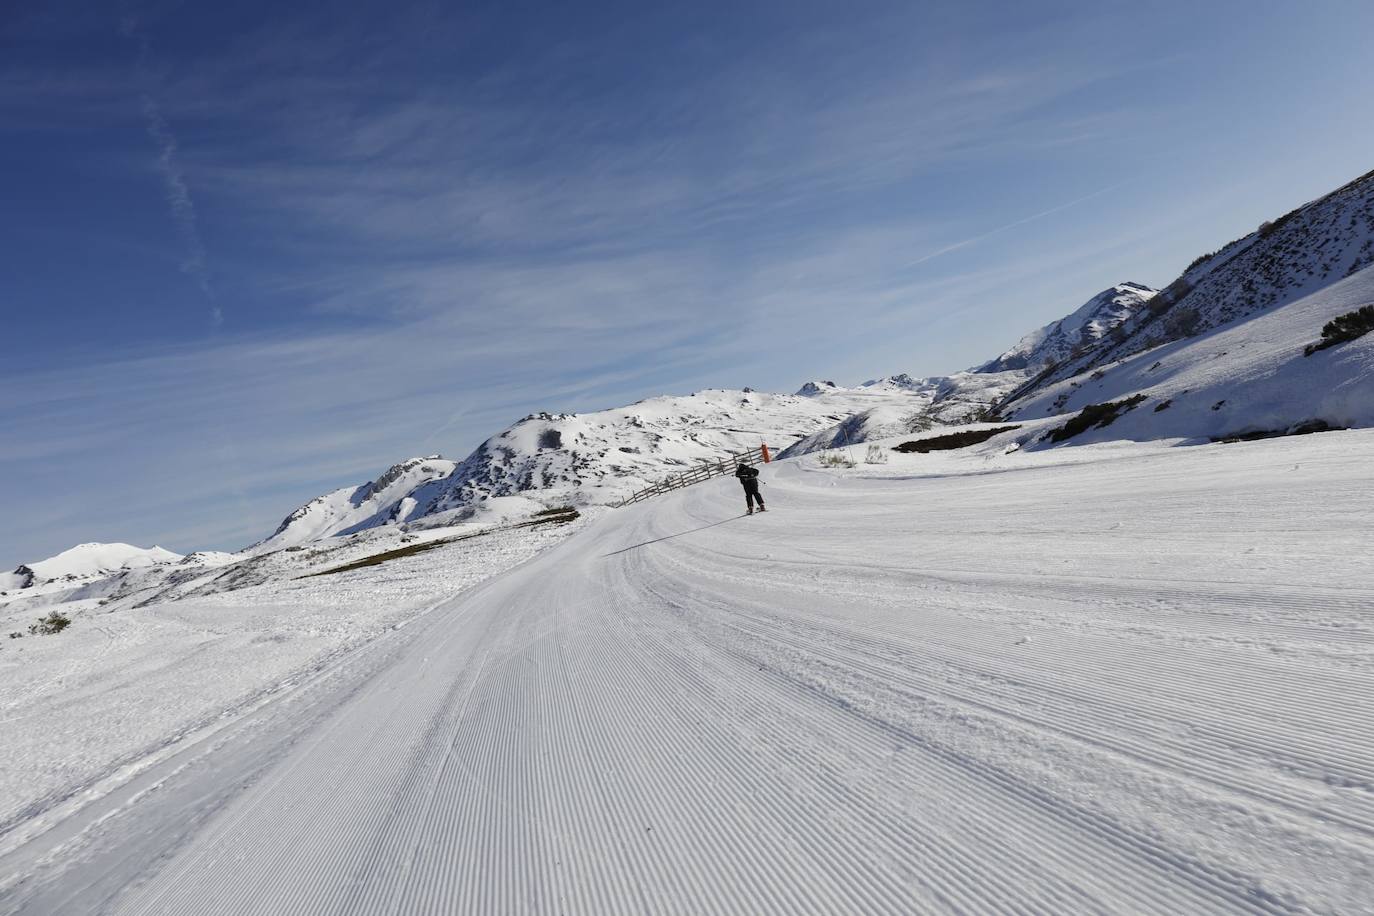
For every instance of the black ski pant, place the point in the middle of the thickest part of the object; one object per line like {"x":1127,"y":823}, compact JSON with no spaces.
{"x":751,"y":493}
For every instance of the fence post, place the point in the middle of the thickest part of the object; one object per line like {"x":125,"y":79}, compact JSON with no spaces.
{"x":702,"y":472}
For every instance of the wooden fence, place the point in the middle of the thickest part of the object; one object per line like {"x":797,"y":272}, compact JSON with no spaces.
{"x":702,"y":472}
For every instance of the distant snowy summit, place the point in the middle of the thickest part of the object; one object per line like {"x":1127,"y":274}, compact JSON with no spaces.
{"x":899,"y":382}
{"x":86,"y":561}
{"x":903,"y":381}
{"x":386,"y":500}
{"x":1094,"y":320}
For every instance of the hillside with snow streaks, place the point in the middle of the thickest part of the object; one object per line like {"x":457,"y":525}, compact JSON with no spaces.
{"x":886,"y":419}
{"x":1245,"y":378}
{"x":348,"y":510}
{"x":1057,"y":341}
{"x":1302,"y":251}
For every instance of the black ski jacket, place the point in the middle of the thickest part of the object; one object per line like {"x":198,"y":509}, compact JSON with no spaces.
{"x":749,"y":476}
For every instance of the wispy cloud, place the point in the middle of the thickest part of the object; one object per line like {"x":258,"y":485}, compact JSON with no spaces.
{"x":983,"y":236}
{"x":178,"y":193}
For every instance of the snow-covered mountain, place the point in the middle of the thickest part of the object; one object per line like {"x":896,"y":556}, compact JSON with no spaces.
{"x":1284,"y":262}
{"x":602,"y":456}
{"x":1252,"y":377}
{"x":1306,"y":250}
{"x":1058,"y":340}
{"x":968,"y":396}
{"x":86,"y":561}
{"x":589,"y":458}
{"x":888,"y":418}
{"x":350,"y":509}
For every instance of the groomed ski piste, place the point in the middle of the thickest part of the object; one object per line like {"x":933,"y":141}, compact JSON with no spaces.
{"x":1115,"y":678}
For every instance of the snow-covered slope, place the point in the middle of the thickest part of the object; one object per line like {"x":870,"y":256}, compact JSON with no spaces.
{"x":918,"y":688}
{"x":349,"y":509}
{"x":1246,"y":377}
{"x":874,"y":423}
{"x":85,"y":561}
{"x":1093,"y":321}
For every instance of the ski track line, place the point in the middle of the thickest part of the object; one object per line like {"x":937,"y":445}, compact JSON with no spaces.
{"x":1075,"y":728}
{"x":1237,"y":736}
{"x":664,"y":714}
{"x":959,"y":790}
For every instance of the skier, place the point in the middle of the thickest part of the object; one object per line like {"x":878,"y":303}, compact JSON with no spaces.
{"x":749,"y":477}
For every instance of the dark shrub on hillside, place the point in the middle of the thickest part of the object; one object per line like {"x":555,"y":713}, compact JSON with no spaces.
{"x":1166,"y":298}
{"x":987,"y":415}
{"x":953,"y":440}
{"x":1095,"y":416}
{"x":1344,"y":327}
{"x":1200,"y":260}
{"x":1183,"y":322}
{"x":1305,"y":428}
{"x":55,"y":622}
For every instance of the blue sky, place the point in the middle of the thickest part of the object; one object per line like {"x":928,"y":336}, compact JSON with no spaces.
{"x":251,"y":252}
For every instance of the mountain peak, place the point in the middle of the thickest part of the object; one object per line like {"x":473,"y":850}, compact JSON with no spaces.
{"x":351,"y":509}
{"x":1092,"y":321}
{"x":89,"y":559}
